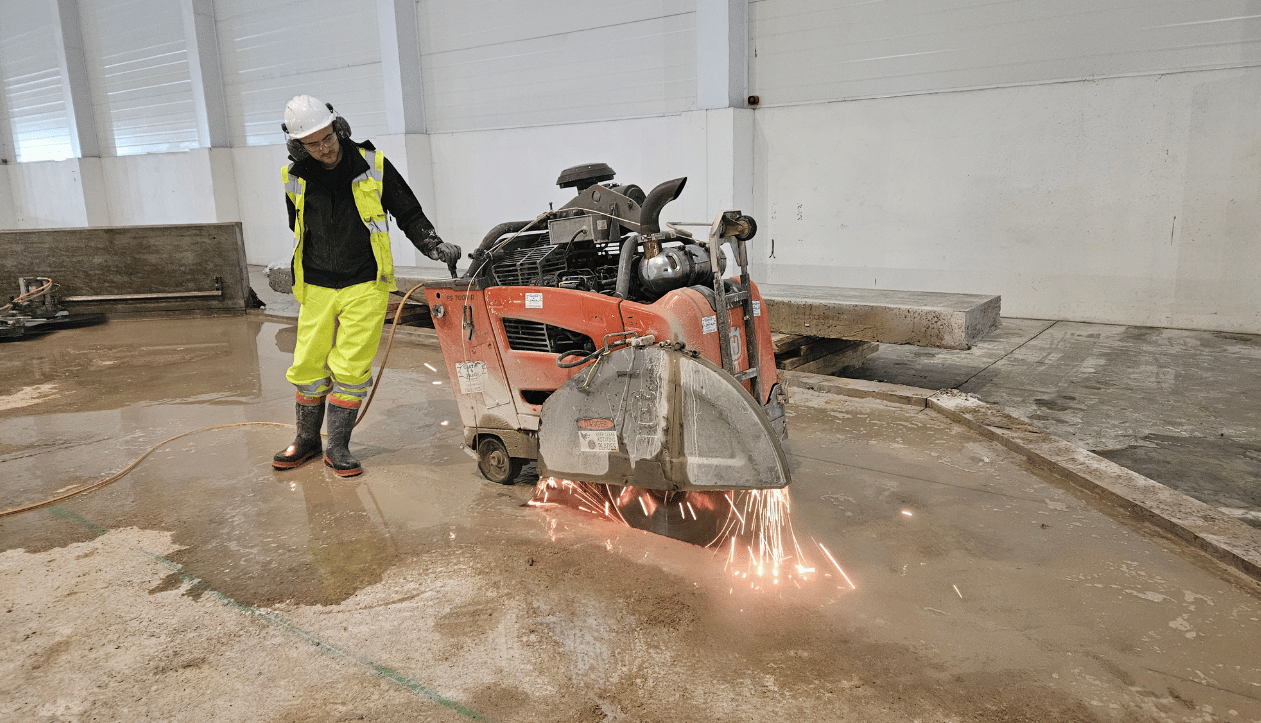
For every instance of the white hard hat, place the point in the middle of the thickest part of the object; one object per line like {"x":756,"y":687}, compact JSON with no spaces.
{"x":305,"y":115}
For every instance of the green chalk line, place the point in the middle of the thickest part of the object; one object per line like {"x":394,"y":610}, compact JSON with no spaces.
{"x":65,"y":514}
{"x":279,"y":622}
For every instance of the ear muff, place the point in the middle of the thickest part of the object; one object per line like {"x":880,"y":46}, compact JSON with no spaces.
{"x":296,"y":150}
{"x":340,"y":126}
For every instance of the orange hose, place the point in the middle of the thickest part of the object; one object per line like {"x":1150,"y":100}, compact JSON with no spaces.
{"x":119,"y":475}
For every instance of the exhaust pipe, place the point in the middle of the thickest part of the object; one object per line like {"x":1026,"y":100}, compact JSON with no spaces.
{"x":650,"y":210}
{"x":489,"y":240}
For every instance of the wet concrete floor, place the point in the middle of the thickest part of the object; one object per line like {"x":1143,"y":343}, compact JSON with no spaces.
{"x":206,"y":586}
{"x":1176,"y":406}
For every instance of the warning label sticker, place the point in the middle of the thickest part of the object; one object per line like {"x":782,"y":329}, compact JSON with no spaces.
{"x":471,"y":375}
{"x":757,"y":308}
{"x":597,"y":440}
{"x":709,"y":324}
{"x":534,"y":300}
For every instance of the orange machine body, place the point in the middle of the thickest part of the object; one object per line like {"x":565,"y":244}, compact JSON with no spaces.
{"x":500,"y":389}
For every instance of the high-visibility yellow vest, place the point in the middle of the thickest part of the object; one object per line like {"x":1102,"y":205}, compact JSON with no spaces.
{"x":367,"y":188}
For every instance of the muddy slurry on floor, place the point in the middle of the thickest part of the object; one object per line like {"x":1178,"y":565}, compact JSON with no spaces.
{"x":521,"y":630}
{"x":206,"y":586}
{"x":653,"y":631}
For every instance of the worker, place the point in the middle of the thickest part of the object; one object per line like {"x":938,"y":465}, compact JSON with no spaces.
{"x":338,"y":192}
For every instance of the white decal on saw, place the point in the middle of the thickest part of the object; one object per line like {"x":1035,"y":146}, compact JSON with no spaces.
{"x":471,"y":375}
{"x":534,"y":300}
{"x":757,"y":308}
{"x":597,"y":440}
{"x":709,"y":324}
{"x":734,"y":339}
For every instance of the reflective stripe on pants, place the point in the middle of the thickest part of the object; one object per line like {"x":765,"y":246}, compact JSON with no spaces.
{"x":339,"y":331}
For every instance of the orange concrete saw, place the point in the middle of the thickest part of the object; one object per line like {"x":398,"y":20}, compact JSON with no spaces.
{"x":613,"y":351}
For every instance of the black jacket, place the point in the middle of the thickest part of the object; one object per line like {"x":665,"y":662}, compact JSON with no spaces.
{"x":336,"y":246}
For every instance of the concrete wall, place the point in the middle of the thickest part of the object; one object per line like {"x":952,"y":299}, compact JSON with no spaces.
{"x":1128,"y":200}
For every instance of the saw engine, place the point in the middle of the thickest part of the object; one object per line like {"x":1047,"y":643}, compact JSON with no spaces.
{"x":612,"y":350}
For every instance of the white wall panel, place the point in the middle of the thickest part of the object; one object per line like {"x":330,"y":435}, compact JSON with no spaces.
{"x":141,"y":92}
{"x":1124,"y":201}
{"x":272,"y":50}
{"x":8,"y":210}
{"x":489,"y":64}
{"x":817,"y":50}
{"x":261,"y":200}
{"x":179,"y":189}
{"x":52,"y":194}
{"x":32,"y":101}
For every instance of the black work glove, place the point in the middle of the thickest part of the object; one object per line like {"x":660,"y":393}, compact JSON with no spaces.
{"x":443,"y":251}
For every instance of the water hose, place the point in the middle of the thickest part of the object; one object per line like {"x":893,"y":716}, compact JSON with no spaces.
{"x":119,"y":475}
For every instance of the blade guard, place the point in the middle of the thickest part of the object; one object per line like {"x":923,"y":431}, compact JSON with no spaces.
{"x":660,"y":418}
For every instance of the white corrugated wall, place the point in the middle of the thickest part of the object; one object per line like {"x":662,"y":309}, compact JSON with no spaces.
{"x":141,"y":93}
{"x":819,"y":50}
{"x":32,"y":104}
{"x":488,"y":64}
{"x":271,"y":51}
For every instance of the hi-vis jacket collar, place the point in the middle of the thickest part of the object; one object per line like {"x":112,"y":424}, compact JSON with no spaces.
{"x":304,"y":168}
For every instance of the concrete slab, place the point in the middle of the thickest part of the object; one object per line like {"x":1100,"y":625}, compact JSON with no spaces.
{"x":206,"y":586}
{"x":1174,"y":405}
{"x":921,"y":318}
{"x":133,"y":260}
{"x":948,"y":321}
{"x":405,"y":277}
{"x":1221,"y":535}
{"x":929,"y":368}
{"x":858,"y":388}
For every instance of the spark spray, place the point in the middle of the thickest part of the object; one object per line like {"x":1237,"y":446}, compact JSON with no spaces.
{"x":751,"y":529}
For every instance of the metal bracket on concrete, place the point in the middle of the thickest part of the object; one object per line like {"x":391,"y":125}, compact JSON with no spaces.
{"x":216,"y":294}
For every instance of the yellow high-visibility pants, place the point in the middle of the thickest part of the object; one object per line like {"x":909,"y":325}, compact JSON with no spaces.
{"x":339,"y":331}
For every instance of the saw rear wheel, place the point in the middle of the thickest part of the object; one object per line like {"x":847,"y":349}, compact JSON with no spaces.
{"x":495,"y":463}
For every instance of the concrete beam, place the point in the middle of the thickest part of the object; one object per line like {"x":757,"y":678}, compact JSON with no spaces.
{"x":722,"y":54}
{"x":209,"y":102}
{"x":74,"y":78}
{"x":130,"y":260}
{"x":921,"y":318}
{"x":400,"y":67}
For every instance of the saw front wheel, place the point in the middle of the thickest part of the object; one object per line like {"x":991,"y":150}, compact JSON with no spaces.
{"x":494,"y":462}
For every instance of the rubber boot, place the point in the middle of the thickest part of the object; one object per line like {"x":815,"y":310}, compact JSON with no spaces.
{"x":307,"y":444}
{"x":341,"y":420}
